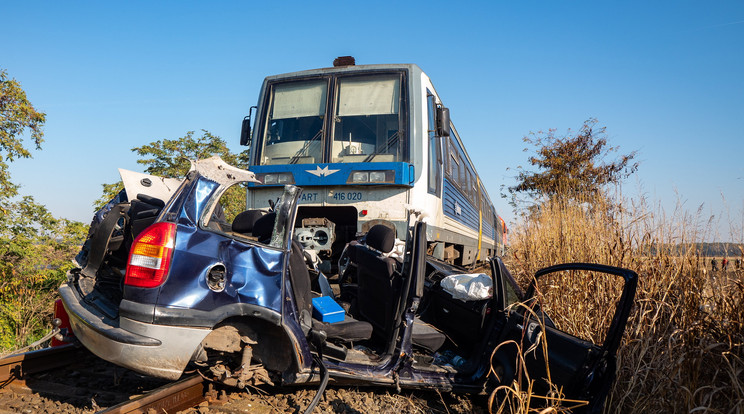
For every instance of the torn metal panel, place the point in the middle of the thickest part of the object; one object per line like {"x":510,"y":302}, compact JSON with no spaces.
{"x":215,"y":169}
{"x":151,"y":185}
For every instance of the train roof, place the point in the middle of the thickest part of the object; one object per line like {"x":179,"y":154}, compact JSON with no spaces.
{"x":412,"y":68}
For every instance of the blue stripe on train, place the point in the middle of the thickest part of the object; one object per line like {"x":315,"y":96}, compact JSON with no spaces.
{"x":337,"y":173}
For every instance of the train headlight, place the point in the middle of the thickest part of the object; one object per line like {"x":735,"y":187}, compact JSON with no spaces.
{"x":360,"y":177}
{"x":276,"y":178}
{"x":284,"y":178}
{"x":377,"y":176}
{"x":372,"y":177}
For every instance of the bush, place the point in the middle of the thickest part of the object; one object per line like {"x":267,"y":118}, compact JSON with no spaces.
{"x":35,"y":253}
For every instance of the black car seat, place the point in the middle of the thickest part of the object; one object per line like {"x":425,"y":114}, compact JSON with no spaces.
{"x":143,"y":212}
{"x":378,"y":281}
{"x":263,"y":227}
{"x":380,"y":289}
{"x":244,"y":222}
{"x":347,"y":330}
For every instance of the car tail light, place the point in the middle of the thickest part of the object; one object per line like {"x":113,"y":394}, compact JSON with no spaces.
{"x":150,"y":256}
{"x":65,"y":330}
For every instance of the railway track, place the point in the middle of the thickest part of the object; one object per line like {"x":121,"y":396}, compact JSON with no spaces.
{"x":177,"y":396}
{"x":69,"y":379}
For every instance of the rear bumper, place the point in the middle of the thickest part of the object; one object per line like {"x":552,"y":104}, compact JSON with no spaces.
{"x":157,"y":350}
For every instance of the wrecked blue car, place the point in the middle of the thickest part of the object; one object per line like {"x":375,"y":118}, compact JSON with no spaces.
{"x":169,"y":280}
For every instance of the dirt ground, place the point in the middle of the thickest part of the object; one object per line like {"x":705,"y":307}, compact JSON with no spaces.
{"x":335,"y":400}
{"x":348,"y":400}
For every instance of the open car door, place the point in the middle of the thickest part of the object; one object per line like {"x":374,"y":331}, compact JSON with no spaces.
{"x":559,"y":364}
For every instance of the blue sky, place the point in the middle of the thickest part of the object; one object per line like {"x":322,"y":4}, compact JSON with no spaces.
{"x":665,"y":78}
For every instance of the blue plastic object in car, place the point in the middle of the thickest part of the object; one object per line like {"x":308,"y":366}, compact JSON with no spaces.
{"x":325,"y":309}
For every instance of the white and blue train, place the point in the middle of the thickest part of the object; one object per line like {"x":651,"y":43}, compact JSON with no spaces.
{"x":369,"y":144}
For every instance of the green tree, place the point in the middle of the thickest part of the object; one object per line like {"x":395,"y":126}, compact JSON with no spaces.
{"x":17,"y":116}
{"x":35,"y":247}
{"x":573,"y":165}
{"x":35,"y":253}
{"x":170,"y":158}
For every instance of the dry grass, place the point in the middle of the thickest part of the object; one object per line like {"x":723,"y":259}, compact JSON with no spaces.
{"x":682,"y":349}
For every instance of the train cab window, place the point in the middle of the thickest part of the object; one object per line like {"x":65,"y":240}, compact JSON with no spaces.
{"x":367,"y":122}
{"x":295,"y":123}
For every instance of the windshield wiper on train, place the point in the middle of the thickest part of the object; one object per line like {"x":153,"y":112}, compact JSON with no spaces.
{"x":390,"y":142}
{"x":304,"y":148}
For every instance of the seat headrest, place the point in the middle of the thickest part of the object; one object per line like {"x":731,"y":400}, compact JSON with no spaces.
{"x":153,"y":201}
{"x":381,"y":237}
{"x":245,"y":221}
{"x":264,"y":226}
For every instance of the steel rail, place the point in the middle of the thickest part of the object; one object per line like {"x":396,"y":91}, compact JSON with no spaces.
{"x":176,"y":396}
{"x":14,"y":367}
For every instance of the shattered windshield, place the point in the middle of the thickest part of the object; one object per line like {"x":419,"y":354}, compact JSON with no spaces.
{"x":295,"y":124}
{"x":366,"y":125}
{"x":285,"y":215}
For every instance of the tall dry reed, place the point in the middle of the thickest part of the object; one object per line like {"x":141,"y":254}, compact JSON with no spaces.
{"x":683,"y":345}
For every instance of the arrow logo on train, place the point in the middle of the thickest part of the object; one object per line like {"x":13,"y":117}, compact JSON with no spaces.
{"x":321,"y":172}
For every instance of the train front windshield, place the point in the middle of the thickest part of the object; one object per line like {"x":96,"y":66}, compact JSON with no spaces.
{"x":366,"y":126}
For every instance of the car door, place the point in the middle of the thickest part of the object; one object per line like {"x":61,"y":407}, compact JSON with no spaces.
{"x":555,"y":360}
{"x":220,"y":269}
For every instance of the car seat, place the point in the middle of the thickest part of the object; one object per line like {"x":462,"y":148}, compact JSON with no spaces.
{"x":380,"y":288}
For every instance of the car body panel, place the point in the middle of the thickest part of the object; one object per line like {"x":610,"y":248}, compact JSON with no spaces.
{"x":253,"y":273}
{"x":158,"y":350}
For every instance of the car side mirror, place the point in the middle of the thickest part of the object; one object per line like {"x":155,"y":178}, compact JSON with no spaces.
{"x":245,"y":131}
{"x":443,"y":121}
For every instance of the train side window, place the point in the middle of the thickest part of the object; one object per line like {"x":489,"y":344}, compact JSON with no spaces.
{"x":454,"y":165}
{"x":474,"y":189}
{"x":462,"y":174}
{"x":435,"y":157}
{"x":447,"y":157}
{"x":465,"y":182}
{"x":471,"y":187}
{"x":471,"y":195}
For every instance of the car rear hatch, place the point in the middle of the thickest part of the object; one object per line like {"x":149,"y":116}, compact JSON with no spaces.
{"x":102,"y":261}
